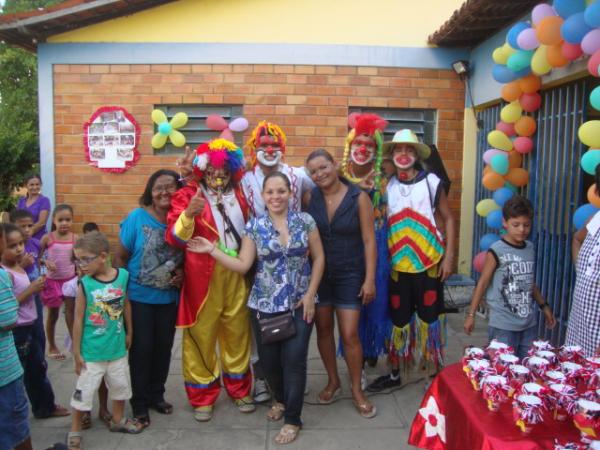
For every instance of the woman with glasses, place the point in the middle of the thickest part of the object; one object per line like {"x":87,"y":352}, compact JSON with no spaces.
{"x":155,"y":275}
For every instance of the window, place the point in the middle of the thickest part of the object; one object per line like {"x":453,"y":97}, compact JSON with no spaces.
{"x":196,"y":131}
{"x":422,"y":121}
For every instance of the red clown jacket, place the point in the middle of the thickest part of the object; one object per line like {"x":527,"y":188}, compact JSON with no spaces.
{"x":198,"y":267}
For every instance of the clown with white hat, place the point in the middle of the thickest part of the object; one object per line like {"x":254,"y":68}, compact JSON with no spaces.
{"x":421,"y":255}
{"x":213,"y":298}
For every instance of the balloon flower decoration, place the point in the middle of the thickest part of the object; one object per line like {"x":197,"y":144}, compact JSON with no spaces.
{"x":168,"y":129}
{"x":556,"y":35}
{"x":218,"y":123}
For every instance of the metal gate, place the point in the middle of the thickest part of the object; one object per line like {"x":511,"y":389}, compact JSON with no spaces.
{"x":555,"y":188}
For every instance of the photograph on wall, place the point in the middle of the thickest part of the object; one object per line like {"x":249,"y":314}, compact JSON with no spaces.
{"x":111,"y":138}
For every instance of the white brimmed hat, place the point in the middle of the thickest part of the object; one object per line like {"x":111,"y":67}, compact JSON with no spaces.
{"x":407,"y":136}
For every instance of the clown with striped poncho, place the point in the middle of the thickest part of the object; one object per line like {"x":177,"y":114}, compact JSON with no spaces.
{"x":420,"y":257}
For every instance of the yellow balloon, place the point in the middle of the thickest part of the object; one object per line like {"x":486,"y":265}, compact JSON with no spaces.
{"x":499,"y":57}
{"x":159,"y":140}
{"x":486,"y":206}
{"x":511,"y":112}
{"x":177,"y":138}
{"x":539,"y":62}
{"x":179,"y":120}
{"x":589,"y":133}
{"x":508,"y":50}
{"x":158,"y":117}
{"x":499,"y":140}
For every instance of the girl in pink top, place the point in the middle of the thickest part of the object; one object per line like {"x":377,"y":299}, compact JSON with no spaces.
{"x":56,"y":253}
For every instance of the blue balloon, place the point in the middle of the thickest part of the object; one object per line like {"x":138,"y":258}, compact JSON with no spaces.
{"x":574,"y":28}
{"x":591,"y":15}
{"x":582,"y":214}
{"x":513,"y":34}
{"x":502,"y":195}
{"x":511,"y":186}
{"x":487,"y":240}
{"x":494,"y":219}
{"x":522,"y":73}
{"x":566,"y":8}
{"x":503,"y":74}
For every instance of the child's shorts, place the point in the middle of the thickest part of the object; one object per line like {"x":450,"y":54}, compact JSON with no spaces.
{"x":52,"y":294}
{"x":14,"y":414}
{"x":116,"y":375}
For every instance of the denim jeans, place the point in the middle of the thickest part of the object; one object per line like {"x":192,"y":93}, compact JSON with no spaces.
{"x":520,"y":341}
{"x":284,"y":363}
{"x":38,"y":387}
{"x":150,"y":353}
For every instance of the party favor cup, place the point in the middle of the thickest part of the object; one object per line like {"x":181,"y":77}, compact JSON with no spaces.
{"x":518,"y":375}
{"x":549,"y":355}
{"x":496,"y":347}
{"x":537,"y":365}
{"x":587,"y":420}
{"x":504,"y":360}
{"x":527,"y":412}
{"x":573,"y":372}
{"x":476,"y":370}
{"x":563,"y":400}
{"x":495,"y":391}
{"x":538,"y":345}
{"x":573,"y":353}
{"x":555,"y":376}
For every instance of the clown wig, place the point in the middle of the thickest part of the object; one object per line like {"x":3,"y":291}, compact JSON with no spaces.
{"x":219,"y":153}
{"x":264,"y":128}
{"x":370,"y":125}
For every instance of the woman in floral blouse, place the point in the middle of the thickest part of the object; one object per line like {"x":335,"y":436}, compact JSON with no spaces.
{"x":280,"y":241}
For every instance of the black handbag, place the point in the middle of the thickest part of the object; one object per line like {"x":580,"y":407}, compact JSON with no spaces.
{"x":276,"y":328}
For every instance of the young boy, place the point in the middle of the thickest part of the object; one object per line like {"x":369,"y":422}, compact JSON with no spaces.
{"x":14,"y":422}
{"x":510,"y":268}
{"x":102,"y":334}
{"x":88,"y":227}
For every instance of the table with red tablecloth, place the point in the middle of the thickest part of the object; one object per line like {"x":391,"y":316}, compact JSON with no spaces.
{"x":454,"y":416}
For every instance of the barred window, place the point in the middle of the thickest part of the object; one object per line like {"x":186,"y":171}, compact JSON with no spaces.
{"x":196,"y":131}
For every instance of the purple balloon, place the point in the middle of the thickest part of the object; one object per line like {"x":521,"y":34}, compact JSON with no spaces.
{"x":489,"y":154}
{"x":541,"y":11}
{"x":238,"y":125}
{"x":528,"y":40}
{"x":591,"y":42}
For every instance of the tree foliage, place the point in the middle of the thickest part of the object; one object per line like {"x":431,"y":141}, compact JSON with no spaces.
{"x":19,"y":142}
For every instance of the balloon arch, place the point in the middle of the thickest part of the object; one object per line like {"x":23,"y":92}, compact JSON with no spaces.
{"x":557,"y":35}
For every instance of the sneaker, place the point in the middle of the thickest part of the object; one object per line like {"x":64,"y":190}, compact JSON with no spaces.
{"x":261,"y":391}
{"x":245,"y":404}
{"x":384,"y":382}
{"x":363,"y":380}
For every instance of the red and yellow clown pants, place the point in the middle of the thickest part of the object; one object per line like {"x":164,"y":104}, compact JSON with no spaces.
{"x":224,"y":318}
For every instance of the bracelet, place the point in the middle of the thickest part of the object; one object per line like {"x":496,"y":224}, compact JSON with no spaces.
{"x":543,"y":305}
{"x":470,"y":314}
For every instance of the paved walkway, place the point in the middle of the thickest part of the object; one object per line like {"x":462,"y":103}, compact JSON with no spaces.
{"x":336,"y":426}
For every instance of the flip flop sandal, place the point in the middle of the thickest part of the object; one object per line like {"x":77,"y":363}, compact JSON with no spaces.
{"x":203,"y":413}
{"x":276,"y":412}
{"x":105,"y":418}
{"x":74,"y":440}
{"x":86,"y":420}
{"x":162,"y":407}
{"x":144,"y":421}
{"x":332,"y":396}
{"x":366,"y":410}
{"x":287,"y":434}
{"x":127,"y":426}
{"x":57,"y":356}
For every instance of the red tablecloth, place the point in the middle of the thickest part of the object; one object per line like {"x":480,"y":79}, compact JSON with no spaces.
{"x":454,"y":416}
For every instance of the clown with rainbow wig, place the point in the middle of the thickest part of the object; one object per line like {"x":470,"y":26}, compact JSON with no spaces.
{"x":266,"y":148}
{"x":361,"y":165}
{"x":213,"y":299}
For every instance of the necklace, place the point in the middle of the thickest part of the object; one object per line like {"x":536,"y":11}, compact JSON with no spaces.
{"x":351,"y":176}
{"x":406,"y":187}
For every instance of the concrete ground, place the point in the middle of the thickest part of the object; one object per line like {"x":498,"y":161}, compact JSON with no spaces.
{"x":335,"y":426}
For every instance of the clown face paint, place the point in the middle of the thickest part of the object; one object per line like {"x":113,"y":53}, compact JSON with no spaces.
{"x":404,"y":156}
{"x":217,"y":179}
{"x":362,"y":150}
{"x":268,"y":151}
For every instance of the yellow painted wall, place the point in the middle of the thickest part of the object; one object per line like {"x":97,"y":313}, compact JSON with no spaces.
{"x":467,"y":201}
{"x":398,"y":23}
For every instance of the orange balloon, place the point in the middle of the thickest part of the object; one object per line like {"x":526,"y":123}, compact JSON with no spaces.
{"x":525,"y":126}
{"x":548,"y":30}
{"x":487,"y":169}
{"x":515,"y":159}
{"x":592,"y":196}
{"x":555,"y":57}
{"x":517,"y":176}
{"x":492,"y":181}
{"x":511,"y":91}
{"x":530,"y":84}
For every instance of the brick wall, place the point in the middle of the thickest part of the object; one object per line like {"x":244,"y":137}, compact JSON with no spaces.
{"x":309,"y":102}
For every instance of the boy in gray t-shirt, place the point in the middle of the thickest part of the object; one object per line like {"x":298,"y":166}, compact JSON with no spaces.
{"x":510,"y":268}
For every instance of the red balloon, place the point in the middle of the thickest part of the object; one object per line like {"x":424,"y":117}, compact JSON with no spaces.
{"x":571,"y":51}
{"x":593,"y":64}
{"x":523,"y":144}
{"x":507,"y":128}
{"x":530,"y":102}
{"x":216,"y":122}
{"x":479,"y":261}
